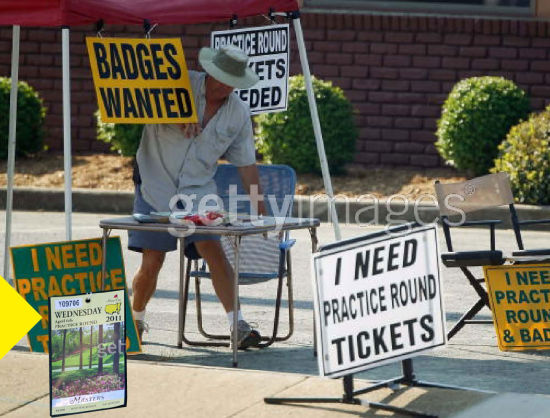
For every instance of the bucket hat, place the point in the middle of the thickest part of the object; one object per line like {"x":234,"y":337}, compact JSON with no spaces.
{"x":229,"y":66}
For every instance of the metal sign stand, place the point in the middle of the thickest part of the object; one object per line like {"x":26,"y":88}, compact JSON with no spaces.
{"x":350,"y":395}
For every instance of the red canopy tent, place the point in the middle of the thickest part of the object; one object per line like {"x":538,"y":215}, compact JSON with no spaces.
{"x":80,"y":12}
{"x":66,"y":13}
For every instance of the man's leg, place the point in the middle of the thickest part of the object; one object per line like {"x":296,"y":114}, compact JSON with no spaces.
{"x":145,"y":280}
{"x":220,"y":270}
{"x":144,"y":285}
{"x":222,"y":278}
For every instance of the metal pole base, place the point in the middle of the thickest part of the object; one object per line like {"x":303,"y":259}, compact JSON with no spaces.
{"x":350,"y":396}
{"x":352,"y":401}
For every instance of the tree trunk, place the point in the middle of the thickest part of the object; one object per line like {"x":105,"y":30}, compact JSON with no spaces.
{"x":99,"y":345}
{"x":116,"y":355}
{"x":81,"y":348}
{"x":91,"y":344}
{"x":63,"y":351}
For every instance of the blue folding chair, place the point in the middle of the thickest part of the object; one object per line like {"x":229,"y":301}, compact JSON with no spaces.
{"x":261,"y":258}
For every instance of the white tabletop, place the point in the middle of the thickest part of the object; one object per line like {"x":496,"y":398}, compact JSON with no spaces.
{"x":264,"y":224}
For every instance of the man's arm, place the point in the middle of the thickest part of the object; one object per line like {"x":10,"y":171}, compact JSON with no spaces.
{"x":251,"y":183}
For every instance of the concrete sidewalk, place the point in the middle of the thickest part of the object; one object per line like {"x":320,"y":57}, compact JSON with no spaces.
{"x":169,"y":390}
{"x":195,"y":381}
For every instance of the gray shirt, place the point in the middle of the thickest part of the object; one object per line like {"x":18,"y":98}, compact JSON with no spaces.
{"x":171,"y":164}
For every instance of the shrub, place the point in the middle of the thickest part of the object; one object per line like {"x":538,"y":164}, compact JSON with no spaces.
{"x":30,"y":119}
{"x":476,"y":117}
{"x":287,"y":137}
{"x":525,"y":156}
{"x":123,"y":137}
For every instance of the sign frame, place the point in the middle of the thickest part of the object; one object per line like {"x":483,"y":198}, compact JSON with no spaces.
{"x":407,"y":378}
{"x":354,"y":243}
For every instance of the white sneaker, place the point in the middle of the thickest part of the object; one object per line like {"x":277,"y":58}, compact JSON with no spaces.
{"x":141,"y":326}
{"x":246,"y":336}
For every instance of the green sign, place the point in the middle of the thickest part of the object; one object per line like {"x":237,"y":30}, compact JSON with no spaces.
{"x":64,"y":269}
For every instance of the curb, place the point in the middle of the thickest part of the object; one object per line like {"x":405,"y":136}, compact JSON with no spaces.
{"x":84,"y":200}
{"x":351,"y":211}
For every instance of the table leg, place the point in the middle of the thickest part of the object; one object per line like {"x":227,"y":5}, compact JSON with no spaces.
{"x":235,"y":301}
{"x":104,"y":257}
{"x":181,"y":300}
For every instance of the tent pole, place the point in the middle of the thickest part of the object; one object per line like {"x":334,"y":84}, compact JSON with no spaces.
{"x":11,"y":143}
{"x":67,"y":131}
{"x":316,"y":126}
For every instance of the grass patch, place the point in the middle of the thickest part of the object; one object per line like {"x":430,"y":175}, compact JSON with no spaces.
{"x":71,"y":375}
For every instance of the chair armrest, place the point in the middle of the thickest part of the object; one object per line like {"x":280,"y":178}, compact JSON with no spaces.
{"x":472,"y":258}
{"x":483,"y":222}
{"x":535,"y":222}
{"x":489,"y":222}
{"x":287,"y":244}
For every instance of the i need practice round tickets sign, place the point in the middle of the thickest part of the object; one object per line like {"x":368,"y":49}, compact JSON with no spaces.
{"x":520,"y":301}
{"x":377,"y":300}
{"x":141,"y":80}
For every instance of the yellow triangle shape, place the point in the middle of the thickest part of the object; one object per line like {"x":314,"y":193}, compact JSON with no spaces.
{"x":17,"y":317}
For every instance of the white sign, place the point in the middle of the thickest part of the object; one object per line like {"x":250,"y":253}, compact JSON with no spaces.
{"x":377,"y":300}
{"x":268,"y":49}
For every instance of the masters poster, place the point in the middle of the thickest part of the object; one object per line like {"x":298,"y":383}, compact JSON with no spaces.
{"x":87,"y":352}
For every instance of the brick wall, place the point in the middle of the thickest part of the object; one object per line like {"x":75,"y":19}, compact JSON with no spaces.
{"x":396,"y":70}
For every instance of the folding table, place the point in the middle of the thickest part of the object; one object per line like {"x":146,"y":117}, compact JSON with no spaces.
{"x":264,"y":226}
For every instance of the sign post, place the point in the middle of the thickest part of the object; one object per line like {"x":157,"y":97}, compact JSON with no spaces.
{"x":377,"y":300}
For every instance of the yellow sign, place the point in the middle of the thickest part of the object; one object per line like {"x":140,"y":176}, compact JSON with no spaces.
{"x":17,"y":317}
{"x":141,"y":80}
{"x":520,"y":301}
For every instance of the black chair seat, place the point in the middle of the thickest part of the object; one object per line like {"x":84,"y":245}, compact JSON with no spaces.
{"x":472,"y":258}
{"x":532,"y":253}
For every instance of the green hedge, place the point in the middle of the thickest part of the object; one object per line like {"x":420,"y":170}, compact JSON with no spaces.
{"x":476,"y":117}
{"x":30,"y":119}
{"x":123,"y":137}
{"x":287,"y":137}
{"x":525,"y":156}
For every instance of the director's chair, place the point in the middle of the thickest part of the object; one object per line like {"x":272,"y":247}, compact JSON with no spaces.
{"x":457,"y":200}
